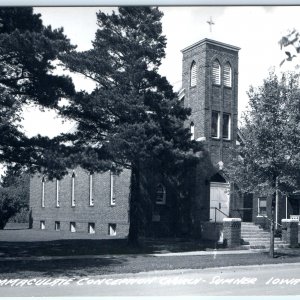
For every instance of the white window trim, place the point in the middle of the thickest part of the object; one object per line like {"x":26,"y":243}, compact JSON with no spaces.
{"x":73,"y":190}
{"x":229,"y":127}
{"x":57,"y":193}
{"x":192,"y":128}
{"x":73,"y":227}
{"x":91,"y":199}
{"x":218,"y":81}
{"x":111,"y":231}
{"x":43,"y":192}
{"x":218,"y":125}
{"x":193,"y":74}
{"x":91,"y":229}
{"x":42,"y":225}
{"x":112,"y":189}
{"x":258,"y":207}
{"x":230,"y":75}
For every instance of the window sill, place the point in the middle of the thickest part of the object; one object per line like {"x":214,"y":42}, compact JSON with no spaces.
{"x":160,"y":203}
{"x":215,"y":138}
{"x":227,"y":140}
{"x":216,"y":85}
{"x":228,"y":87}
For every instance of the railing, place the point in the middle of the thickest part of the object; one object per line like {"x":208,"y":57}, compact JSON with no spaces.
{"x":240,"y":213}
{"x":217,"y":209}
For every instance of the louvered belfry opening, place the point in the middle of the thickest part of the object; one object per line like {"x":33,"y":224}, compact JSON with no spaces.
{"x":193,"y":74}
{"x":227,"y":75}
{"x":216,"y":72}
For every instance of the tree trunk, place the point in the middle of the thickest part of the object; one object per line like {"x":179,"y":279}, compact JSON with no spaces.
{"x":134,"y":208}
{"x":271,"y":252}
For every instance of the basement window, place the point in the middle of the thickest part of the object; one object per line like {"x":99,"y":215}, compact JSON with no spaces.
{"x":91,"y":228}
{"x":42,"y":225}
{"x":72,"y":226}
{"x":57,"y":226}
{"x":112,"y":229}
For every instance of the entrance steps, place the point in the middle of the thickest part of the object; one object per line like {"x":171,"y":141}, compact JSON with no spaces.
{"x":255,"y":237}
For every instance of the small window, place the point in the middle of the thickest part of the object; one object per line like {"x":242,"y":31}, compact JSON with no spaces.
{"x":57,"y":193}
{"x":216,"y":72}
{"x":91,"y":228}
{"x":57,"y":226}
{"x":91,"y":200}
{"x":227,"y":75}
{"x":215,"y":124}
{"x":112,"y":229}
{"x":112,"y":189}
{"x":193,"y":74}
{"x":160,"y":194}
{"x":72,"y":226}
{"x":192,"y":128}
{"x":262,"y":206}
{"x":42,"y":225}
{"x":226,"y":126}
{"x":43,"y":192}
{"x":73,"y":190}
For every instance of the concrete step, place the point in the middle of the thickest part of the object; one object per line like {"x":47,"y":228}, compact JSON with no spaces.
{"x":260,"y":239}
{"x":263,"y":247}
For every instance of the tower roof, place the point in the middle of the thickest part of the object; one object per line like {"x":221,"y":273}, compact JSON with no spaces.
{"x":212,"y":42}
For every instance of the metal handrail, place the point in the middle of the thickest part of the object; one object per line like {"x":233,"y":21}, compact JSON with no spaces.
{"x":215,"y":208}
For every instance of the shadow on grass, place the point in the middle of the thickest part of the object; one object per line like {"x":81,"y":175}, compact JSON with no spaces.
{"x":60,"y":268}
{"x":97,"y":247}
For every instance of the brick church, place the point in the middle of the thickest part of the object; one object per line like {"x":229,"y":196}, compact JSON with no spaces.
{"x":98,"y":203}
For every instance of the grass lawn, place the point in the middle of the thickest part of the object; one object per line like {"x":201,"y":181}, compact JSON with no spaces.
{"x":22,"y":243}
{"x":17,"y":241}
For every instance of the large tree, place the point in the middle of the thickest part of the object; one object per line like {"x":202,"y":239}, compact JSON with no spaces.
{"x":132,"y":119}
{"x":29,"y":52}
{"x":268,"y":160}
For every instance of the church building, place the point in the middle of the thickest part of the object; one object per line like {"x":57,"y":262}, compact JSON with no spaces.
{"x":98,"y":203}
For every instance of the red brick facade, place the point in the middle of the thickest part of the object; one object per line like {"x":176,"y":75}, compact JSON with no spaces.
{"x":101,"y":214}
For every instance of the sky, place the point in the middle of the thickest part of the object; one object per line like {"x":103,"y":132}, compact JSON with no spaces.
{"x":255,"y":29}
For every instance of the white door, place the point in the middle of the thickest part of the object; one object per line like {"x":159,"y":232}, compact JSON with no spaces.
{"x":219,"y":198}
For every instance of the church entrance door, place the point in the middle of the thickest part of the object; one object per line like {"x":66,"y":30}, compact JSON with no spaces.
{"x":219,"y":198}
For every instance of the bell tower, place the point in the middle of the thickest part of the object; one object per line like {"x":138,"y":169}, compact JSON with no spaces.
{"x":210,"y":83}
{"x":210,"y":89}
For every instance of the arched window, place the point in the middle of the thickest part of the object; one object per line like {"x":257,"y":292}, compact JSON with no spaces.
{"x":43,"y":191}
{"x":192,"y":128}
{"x":216,"y":72}
{"x":160,"y":194}
{"x":73,"y":189}
{"x":91,"y":198}
{"x":227,"y":75}
{"x":193,"y":74}
{"x":57,"y":193}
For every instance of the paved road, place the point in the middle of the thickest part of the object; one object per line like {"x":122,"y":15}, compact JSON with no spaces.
{"x":280,"y":279}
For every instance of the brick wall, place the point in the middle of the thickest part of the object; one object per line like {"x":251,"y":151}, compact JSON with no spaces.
{"x":102,"y":213}
{"x":203,"y":99}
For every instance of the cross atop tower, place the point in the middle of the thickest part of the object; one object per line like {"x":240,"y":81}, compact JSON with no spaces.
{"x":211,"y":23}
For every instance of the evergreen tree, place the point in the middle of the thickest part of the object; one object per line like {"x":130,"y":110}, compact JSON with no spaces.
{"x":132,"y":119}
{"x":28,"y":53}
